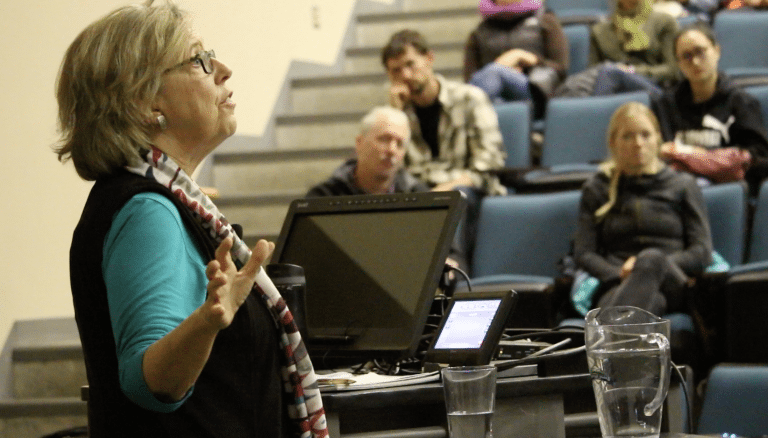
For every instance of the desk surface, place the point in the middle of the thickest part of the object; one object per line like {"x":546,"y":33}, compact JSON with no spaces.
{"x":433,"y":392}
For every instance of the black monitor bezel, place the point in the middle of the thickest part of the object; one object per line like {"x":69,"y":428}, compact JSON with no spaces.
{"x":454,"y":204}
{"x":484,"y":354}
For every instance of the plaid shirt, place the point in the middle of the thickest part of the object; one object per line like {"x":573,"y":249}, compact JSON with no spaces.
{"x":468,"y":136}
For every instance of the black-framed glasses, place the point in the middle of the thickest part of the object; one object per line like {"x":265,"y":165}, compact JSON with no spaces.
{"x":202,"y":58}
{"x":696,"y":52}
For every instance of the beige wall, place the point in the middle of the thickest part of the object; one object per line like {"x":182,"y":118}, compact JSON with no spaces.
{"x":41,"y":200}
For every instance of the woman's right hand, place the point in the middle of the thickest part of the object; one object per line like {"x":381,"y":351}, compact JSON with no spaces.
{"x":627,"y":267}
{"x":227,"y":287}
{"x":517,"y":59}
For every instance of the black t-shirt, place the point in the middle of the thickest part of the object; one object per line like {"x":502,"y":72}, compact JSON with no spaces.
{"x":429,"y":120}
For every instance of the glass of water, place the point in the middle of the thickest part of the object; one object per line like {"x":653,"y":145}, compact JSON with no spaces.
{"x":470,"y":394}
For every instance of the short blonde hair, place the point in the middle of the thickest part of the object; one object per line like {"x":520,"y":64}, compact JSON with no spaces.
{"x":109,"y":76}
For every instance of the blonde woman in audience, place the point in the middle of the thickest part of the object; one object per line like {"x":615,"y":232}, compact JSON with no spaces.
{"x":711,"y":127}
{"x":183,"y":334}
{"x":642,"y":228}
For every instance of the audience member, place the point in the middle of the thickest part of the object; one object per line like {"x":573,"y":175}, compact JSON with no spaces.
{"x":378,"y":166}
{"x":711,"y":127}
{"x":683,"y":8}
{"x":183,"y":334}
{"x":632,"y":51}
{"x":455,"y":139}
{"x":642,"y":228}
{"x":518,"y":52}
{"x":738,"y":4}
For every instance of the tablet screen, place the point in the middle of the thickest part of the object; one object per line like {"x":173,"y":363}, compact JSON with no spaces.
{"x":470,"y":331}
{"x":467,"y":325}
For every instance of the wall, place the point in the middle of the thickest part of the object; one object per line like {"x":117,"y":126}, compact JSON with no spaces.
{"x":41,"y":199}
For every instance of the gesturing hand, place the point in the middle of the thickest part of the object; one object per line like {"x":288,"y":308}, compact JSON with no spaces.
{"x":227,"y":287}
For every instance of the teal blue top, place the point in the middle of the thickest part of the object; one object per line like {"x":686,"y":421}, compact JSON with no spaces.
{"x":155,"y":278}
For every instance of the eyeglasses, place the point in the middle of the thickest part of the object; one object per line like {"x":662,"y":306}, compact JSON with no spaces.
{"x":202,"y":58}
{"x":696,"y":52}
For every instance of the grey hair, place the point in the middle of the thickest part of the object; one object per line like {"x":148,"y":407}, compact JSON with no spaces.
{"x":392,"y":114}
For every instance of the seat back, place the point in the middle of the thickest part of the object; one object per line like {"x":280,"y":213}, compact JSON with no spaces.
{"x":727,"y":211}
{"x":588,"y":9}
{"x":575,"y":127}
{"x":515,"y":127}
{"x":743,"y":39}
{"x":525,"y":234}
{"x":578,"y":41}
{"x":758,"y":235}
{"x":735,"y":401}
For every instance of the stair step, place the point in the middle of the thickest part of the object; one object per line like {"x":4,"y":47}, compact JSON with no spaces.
{"x":421,"y":5}
{"x":38,"y":417}
{"x":436,"y":25}
{"x":362,"y":60}
{"x":280,"y":171}
{"x":352,"y":92}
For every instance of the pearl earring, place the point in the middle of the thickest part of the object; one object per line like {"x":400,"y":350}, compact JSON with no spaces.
{"x":162,"y":122}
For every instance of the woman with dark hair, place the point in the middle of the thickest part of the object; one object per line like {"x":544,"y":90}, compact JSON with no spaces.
{"x":518,"y":52}
{"x":712,"y":128}
{"x":643,"y":227}
{"x":183,"y":333}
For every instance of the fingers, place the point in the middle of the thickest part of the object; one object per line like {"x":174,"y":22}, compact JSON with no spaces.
{"x":222,"y":252}
{"x":259,"y":255}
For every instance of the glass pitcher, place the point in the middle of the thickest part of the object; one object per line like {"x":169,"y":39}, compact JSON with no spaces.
{"x":629,"y":361}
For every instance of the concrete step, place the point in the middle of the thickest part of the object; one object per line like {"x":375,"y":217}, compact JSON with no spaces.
{"x":317,"y":131}
{"x":34,"y":418}
{"x":42,"y":370}
{"x":344,"y":93}
{"x":258,"y":187}
{"x":261,"y":173}
{"x":421,"y":5}
{"x":437,"y":25}
{"x":46,"y":359}
{"x":366,"y":60}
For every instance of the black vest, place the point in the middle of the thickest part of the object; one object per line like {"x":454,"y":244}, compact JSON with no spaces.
{"x":239,"y":392}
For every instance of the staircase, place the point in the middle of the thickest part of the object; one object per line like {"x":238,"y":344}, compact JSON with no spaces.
{"x":317,"y":116}
{"x":41,"y":372}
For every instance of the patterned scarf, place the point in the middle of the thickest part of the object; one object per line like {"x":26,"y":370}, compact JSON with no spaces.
{"x":629,"y":26}
{"x":298,"y":375}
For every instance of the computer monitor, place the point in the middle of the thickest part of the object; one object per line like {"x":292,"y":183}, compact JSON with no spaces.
{"x":372,"y":265}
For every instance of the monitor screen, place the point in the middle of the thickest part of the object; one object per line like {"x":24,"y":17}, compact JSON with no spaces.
{"x":372,"y":264}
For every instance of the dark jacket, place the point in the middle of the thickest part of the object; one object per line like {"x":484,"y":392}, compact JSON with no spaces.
{"x":342,"y":182}
{"x":664,"y":211}
{"x":538,"y":33}
{"x":679,"y":116}
{"x":239,"y":392}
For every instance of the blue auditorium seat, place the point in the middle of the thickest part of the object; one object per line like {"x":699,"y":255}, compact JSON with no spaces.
{"x":515,"y":127}
{"x":735,"y":401}
{"x":579,"y":11}
{"x":575,"y":127}
{"x":578,"y":41}
{"x":727,"y":210}
{"x":743,"y":39}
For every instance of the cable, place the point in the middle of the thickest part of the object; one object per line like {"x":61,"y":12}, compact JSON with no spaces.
{"x":448,"y":268}
{"x":685,"y":393}
{"x":503,"y":365}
